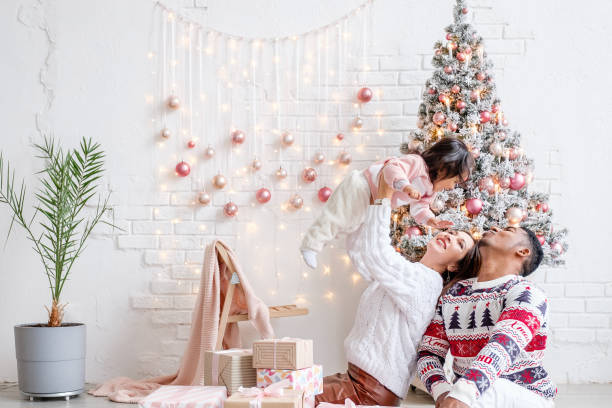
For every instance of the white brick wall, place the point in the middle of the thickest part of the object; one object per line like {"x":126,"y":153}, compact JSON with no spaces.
{"x":151,"y":270}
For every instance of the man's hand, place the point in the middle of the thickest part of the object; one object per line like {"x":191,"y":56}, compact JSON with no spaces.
{"x":450,"y":402}
{"x":439,"y":224}
{"x":440,"y":399}
{"x":413,"y":193}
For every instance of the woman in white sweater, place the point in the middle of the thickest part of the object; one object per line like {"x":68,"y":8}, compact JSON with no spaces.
{"x":393,"y":312}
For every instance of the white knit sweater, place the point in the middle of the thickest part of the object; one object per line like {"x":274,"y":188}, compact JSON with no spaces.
{"x":396,"y":307}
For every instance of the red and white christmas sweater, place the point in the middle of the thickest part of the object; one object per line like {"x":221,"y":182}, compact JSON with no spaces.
{"x":494,"y":329}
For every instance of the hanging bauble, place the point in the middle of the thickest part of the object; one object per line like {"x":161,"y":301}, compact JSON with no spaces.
{"x":318,"y":158}
{"x":453,"y":45}
{"x":542,"y":207}
{"x":438,"y":52}
{"x":238,"y":137}
{"x":541,"y":238}
{"x":309,"y":175}
{"x":557,"y":247}
{"x":473,"y":205}
{"x":263,"y":195}
{"x":448,"y":69}
{"x":443,"y":98}
{"x":281,"y":173}
{"x":345,"y":158}
{"x":340,"y":137}
{"x":230,"y":209}
{"x":456,"y":89}
{"x":517,"y":182}
{"x":357,"y":123}
{"x":431,"y":91}
{"x":467,"y":51}
{"x":413,"y":231}
{"x":501,"y":135}
{"x":437,"y":205}
{"x":514,"y":215}
{"x":174,"y":102}
{"x":461,"y":104}
{"x":365,"y":95}
{"x":256,"y":164}
{"x":494,"y":108}
{"x":485,"y":116}
{"x":474,"y":95}
{"x":504,"y":182}
{"x":496,"y":149}
{"x":296,"y":201}
{"x":505,"y":122}
{"x":439,"y":118}
{"x":191,"y":144}
{"x":512,"y":153}
{"x":452,"y":126}
{"x":449,"y":36}
{"x":204,"y":198}
{"x":324,"y":194}
{"x":219,"y":181}
{"x":166,"y":133}
{"x":464,"y":10}
{"x":481,"y":76}
{"x":287,"y":139}
{"x":475,"y":151}
{"x":209,"y":152}
{"x":183,"y":169}
{"x":461,"y":56}
{"x":487,"y":184}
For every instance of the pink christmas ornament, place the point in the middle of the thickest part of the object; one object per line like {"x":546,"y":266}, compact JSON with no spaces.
{"x":496,"y":149}
{"x":448,"y":69}
{"x":318,"y":158}
{"x":461,"y":56}
{"x":209,"y":152}
{"x":219,"y":181}
{"x":494,"y":108}
{"x":296,"y":202}
{"x":263,"y":195}
{"x":452,"y":126}
{"x":542,"y":207}
{"x":413,"y":231}
{"x":287,"y":139}
{"x":449,"y":36}
{"x":541,"y":238}
{"x":340,"y":137}
{"x":365,"y":95}
{"x":204,"y":198}
{"x":453,"y":45}
{"x":256,"y":165}
{"x":443,"y":98}
{"x":456,"y":89}
{"x":230,"y":209}
{"x":475,"y":95}
{"x":467,"y":51}
{"x":174,"y":102}
{"x":464,"y":10}
{"x":345,"y":158}
{"x":439,"y":118}
{"x":309,"y":175}
{"x":431,"y":91}
{"x":191,"y":144}
{"x":461,"y":104}
{"x":357,"y":123}
{"x":514,"y":215}
{"x":324,"y":194}
{"x":473,"y":205}
{"x":517,"y":182}
{"x":238,"y":137}
{"x":183,"y":169}
{"x":504,"y":182}
{"x":281,"y":173}
{"x":505,"y":122}
{"x":481,"y":76}
{"x":487,"y":184}
{"x":166,"y":133}
{"x":557,"y":247}
{"x":485,"y":116}
{"x":512,"y":154}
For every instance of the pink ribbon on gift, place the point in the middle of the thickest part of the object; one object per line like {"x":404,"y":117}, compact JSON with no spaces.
{"x":348,"y":403}
{"x":257,"y":394}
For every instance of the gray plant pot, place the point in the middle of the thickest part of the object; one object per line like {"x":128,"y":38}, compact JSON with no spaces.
{"x":50,"y":360}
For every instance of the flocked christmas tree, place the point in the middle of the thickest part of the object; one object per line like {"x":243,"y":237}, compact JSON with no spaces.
{"x":460,"y":101}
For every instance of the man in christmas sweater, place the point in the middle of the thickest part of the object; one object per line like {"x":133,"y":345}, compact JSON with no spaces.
{"x":495,"y":326}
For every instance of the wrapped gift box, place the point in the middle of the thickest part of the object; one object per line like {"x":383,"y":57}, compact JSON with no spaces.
{"x":309,"y":380}
{"x":282,"y":354}
{"x":289,"y":399}
{"x":231,"y":368}
{"x":174,"y":396}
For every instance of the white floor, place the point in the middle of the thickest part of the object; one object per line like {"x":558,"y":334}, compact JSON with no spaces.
{"x":570,"y":396}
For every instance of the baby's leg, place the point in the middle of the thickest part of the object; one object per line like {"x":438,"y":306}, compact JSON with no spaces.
{"x":344,"y":212}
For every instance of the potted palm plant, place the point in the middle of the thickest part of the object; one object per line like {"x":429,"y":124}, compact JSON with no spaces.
{"x":51,"y":356}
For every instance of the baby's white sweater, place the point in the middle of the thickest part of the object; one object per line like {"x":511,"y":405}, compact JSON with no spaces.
{"x":396,"y":307}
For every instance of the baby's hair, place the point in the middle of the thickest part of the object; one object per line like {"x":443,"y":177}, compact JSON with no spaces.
{"x":447,"y":158}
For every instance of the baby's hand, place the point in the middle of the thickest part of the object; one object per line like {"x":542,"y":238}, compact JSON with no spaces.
{"x":413,"y":193}
{"x":439,"y":224}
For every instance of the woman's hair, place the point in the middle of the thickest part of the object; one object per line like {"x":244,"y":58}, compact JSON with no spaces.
{"x":445,"y":159}
{"x":468,"y":268}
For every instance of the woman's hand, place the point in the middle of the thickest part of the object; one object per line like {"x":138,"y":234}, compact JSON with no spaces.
{"x":450,"y":402}
{"x":439,"y":224}
{"x":440,"y":399}
{"x":412,"y":192}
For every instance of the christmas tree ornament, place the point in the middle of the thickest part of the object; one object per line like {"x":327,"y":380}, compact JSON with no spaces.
{"x":464,"y":10}
{"x":263,"y":195}
{"x":413,"y":231}
{"x":191,"y":144}
{"x":485,"y":116}
{"x":431,"y":91}
{"x":365,"y":95}
{"x":174,"y":102}
{"x":557,"y":247}
{"x":541,"y":238}
{"x":448,"y":69}
{"x":238,"y":137}
{"x":256,"y":164}
{"x":514,"y":215}
{"x":219,"y":181}
{"x":542,"y":207}
{"x":204,"y":198}
{"x":183,"y":169}
{"x":475,"y":95}
{"x":318,"y":158}
{"x":473,"y":206}
{"x":517,"y":182}
{"x":309,"y":175}
{"x":340,"y":137}
{"x":449,"y":36}
{"x":456,"y":89}
{"x":437,"y":205}
{"x":166,"y":133}
{"x":287,"y":139}
{"x":481,"y":76}
{"x":494,"y":108}
{"x":496,"y":149}
{"x":452,"y":126}
{"x":439,"y":118}
{"x":475,"y":151}
{"x":461,"y":104}
{"x":230,"y":209}
{"x":357,"y":123}
{"x":487,"y":184}
{"x":345,"y":158}
{"x":501,"y":135}
{"x":209,"y":152}
{"x":453,"y":45}
{"x":438,"y":52}
{"x":467,"y":50}
{"x":461,"y":56}
{"x":324,"y":194}
{"x":504,"y":182}
{"x":296,"y":201}
{"x":281,"y":173}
